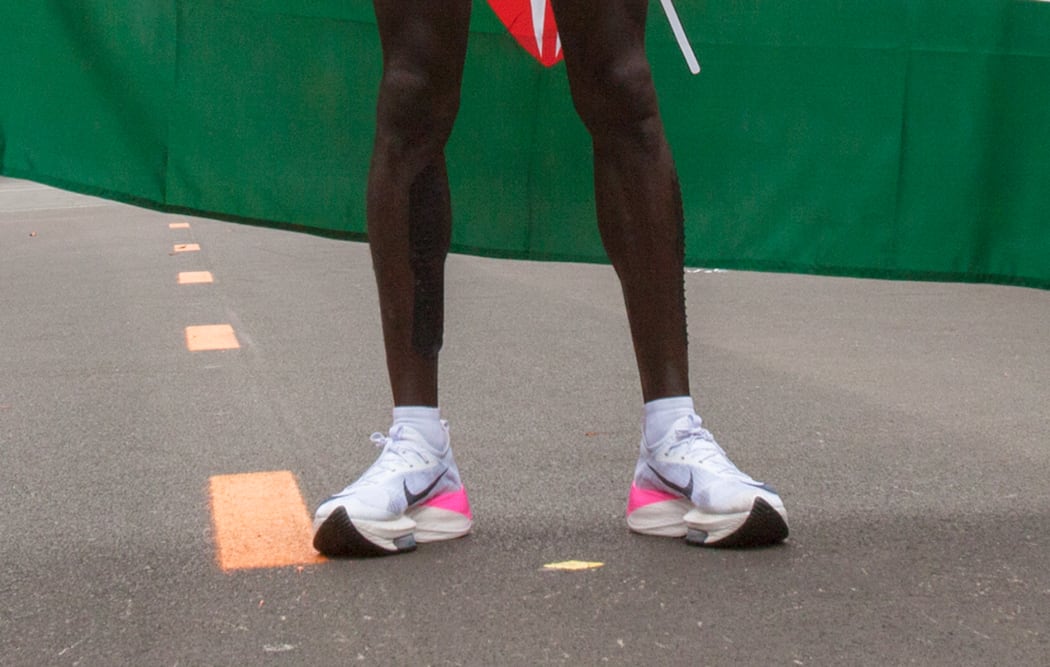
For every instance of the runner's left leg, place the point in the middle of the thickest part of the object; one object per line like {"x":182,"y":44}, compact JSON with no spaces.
{"x":684,"y":485}
{"x":636,"y":186}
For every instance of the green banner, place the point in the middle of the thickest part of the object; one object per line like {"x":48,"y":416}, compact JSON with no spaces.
{"x":899,"y":139}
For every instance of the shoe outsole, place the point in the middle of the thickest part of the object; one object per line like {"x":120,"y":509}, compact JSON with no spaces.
{"x":337,"y":537}
{"x":764,"y":526}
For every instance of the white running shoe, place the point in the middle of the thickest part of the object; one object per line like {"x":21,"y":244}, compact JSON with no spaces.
{"x":409,"y":495}
{"x":686,"y":486}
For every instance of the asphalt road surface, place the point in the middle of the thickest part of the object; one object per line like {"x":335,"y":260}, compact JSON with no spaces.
{"x":905,"y":425}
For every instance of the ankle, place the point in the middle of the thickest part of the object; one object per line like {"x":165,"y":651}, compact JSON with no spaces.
{"x":426,"y":421}
{"x":659,"y":416}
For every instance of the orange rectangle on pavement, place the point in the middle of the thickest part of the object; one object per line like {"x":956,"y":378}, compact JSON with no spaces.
{"x":195,"y":277}
{"x":186,"y":247}
{"x":205,"y":337}
{"x":260,"y":520}
{"x":178,"y":225}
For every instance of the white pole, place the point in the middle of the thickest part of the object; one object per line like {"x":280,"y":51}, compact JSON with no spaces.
{"x":679,"y":35}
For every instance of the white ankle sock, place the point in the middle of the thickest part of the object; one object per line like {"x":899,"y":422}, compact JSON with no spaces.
{"x":661,"y":414}
{"x":425,"y":421}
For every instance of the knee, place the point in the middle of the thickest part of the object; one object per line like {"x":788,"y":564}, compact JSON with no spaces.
{"x":616,"y":97}
{"x":417,"y":107}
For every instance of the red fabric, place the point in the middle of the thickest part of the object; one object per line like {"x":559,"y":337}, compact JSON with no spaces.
{"x":518,"y":16}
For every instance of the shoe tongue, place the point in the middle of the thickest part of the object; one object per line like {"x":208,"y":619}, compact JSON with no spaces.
{"x":410,"y":442}
{"x":405,"y":433}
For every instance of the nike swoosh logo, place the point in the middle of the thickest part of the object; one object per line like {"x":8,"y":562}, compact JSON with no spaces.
{"x":414,"y":498}
{"x":686,"y":490}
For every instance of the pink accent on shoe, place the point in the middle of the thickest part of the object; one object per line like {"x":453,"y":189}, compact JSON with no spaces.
{"x":641,"y":497}
{"x":454,"y":501}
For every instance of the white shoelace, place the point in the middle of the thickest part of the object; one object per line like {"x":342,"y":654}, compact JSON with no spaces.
{"x":697,"y":445}
{"x":394,"y":458}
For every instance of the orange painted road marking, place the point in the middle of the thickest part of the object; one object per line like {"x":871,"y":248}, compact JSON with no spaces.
{"x":178,"y":225}
{"x":195,"y":277}
{"x":211,"y":337}
{"x":186,"y":247}
{"x":260,"y":520}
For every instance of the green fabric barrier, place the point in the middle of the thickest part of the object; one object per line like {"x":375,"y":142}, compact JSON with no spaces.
{"x":899,"y":139}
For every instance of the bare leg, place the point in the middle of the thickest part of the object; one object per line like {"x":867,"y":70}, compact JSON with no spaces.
{"x":636,"y":187}
{"x":640,"y":218}
{"x":409,"y":215}
{"x":409,"y":227}
{"x":696,"y":492}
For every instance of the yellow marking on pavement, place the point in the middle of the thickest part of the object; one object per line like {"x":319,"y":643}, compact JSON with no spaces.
{"x":186,"y":247}
{"x":260,"y":520}
{"x":573,"y":565}
{"x":178,"y":225}
{"x":211,"y":337}
{"x":195,"y":277}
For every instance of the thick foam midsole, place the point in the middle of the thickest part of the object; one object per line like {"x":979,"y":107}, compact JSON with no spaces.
{"x":664,"y":518}
{"x":434,"y":524}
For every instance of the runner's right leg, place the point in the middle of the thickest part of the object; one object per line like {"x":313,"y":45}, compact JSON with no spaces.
{"x":409,"y":215}
{"x":391,"y":506}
